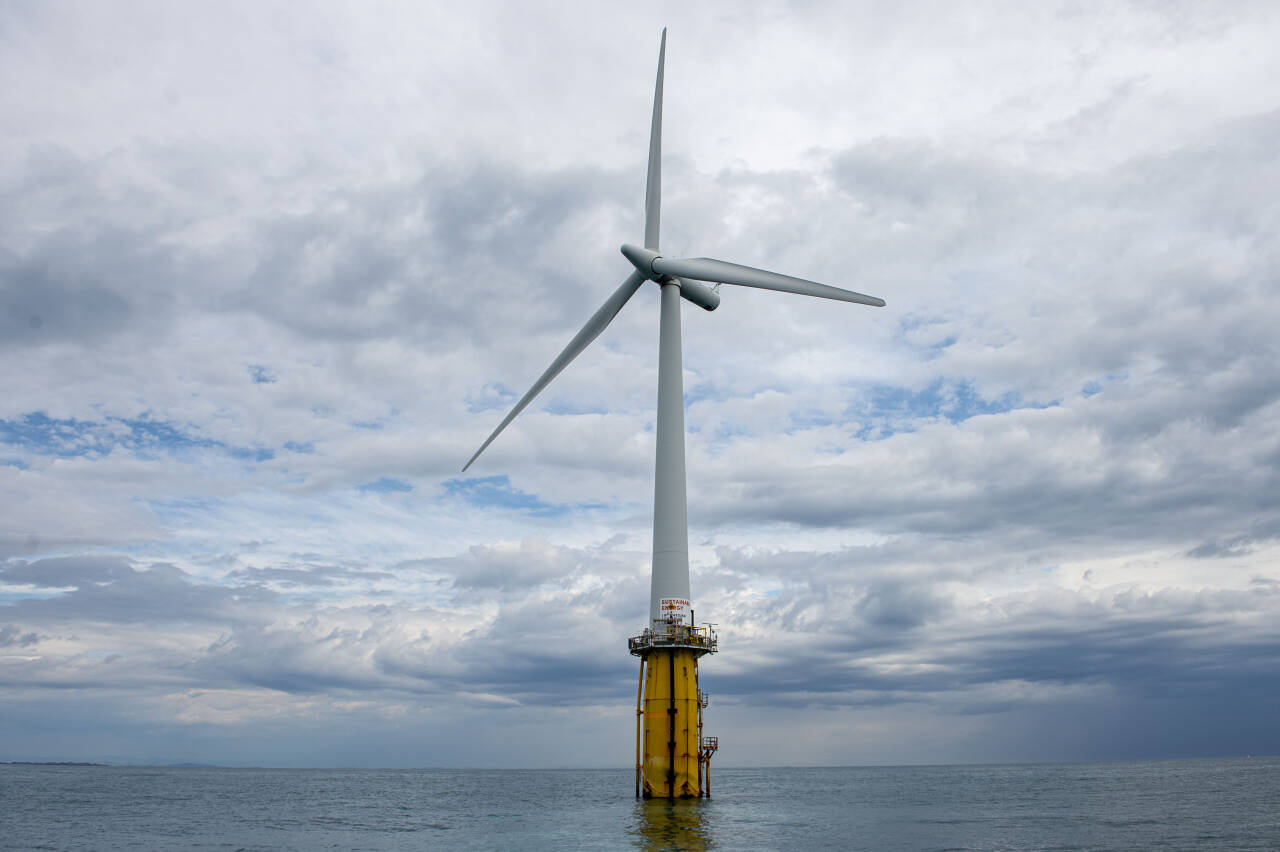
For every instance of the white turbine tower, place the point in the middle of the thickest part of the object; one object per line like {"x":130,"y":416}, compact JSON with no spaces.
{"x":672,"y":747}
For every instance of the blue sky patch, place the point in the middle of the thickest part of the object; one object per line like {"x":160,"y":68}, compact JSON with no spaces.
{"x":913,"y":330}
{"x":497,"y":491}
{"x":809,"y":418}
{"x":490,"y":397}
{"x":188,"y":512}
{"x":72,"y":438}
{"x":561,"y":407}
{"x":386,"y":485}
{"x":936,"y":348}
{"x":255,"y":454}
{"x":261,"y":375}
{"x":890,"y":409}
{"x":1095,"y":386}
{"x":698,"y":391}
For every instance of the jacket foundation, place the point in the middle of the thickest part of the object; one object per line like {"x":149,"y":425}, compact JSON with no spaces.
{"x":673,"y":758}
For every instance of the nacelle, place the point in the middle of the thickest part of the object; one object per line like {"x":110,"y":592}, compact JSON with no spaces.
{"x":700,"y":294}
{"x":645,"y":262}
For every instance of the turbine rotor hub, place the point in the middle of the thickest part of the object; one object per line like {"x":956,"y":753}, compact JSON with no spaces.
{"x":642,"y":259}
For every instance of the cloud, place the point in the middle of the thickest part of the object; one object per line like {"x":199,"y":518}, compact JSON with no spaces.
{"x":10,"y":638}
{"x":260,"y":313}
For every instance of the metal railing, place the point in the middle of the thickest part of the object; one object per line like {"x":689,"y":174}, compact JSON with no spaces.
{"x":675,"y":635}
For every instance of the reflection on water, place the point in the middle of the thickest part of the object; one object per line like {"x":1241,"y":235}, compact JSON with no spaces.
{"x":671,"y":824}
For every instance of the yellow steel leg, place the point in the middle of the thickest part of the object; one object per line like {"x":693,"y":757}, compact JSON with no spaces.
{"x":639,"y":722}
{"x":671,"y":759}
{"x":697,"y":692}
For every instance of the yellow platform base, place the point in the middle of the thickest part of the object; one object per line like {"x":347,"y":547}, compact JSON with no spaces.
{"x":669,"y":725}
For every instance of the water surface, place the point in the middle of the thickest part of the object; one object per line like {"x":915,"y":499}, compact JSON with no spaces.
{"x":1167,"y":805}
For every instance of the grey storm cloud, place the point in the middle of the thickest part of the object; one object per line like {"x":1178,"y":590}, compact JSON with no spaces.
{"x":73,"y":571}
{"x":418,"y":259}
{"x":9,"y":637}
{"x":1145,"y":647}
{"x":264,"y":641}
{"x":113,"y":590}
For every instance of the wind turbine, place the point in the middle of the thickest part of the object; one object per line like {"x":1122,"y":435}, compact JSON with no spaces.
{"x":674,"y":752}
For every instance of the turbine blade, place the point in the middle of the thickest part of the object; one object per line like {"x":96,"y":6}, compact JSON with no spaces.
{"x":723,"y":272}
{"x":653,"y":184}
{"x":599,"y":322}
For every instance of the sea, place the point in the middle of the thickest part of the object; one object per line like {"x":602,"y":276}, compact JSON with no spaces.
{"x":1199,"y":805}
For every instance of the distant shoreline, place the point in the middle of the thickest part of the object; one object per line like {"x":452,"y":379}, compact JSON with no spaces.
{"x":49,"y":763}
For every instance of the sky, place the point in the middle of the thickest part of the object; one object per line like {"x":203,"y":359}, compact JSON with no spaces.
{"x":270,"y":273}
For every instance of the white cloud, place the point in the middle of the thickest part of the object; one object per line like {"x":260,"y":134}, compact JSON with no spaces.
{"x":267,"y":280}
